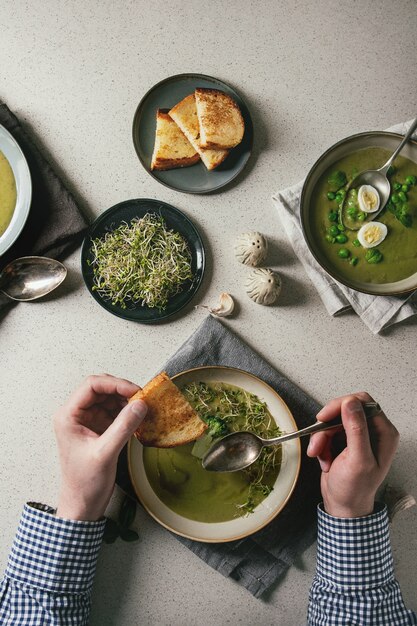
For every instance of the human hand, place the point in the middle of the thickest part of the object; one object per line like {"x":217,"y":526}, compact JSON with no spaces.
{"x":91,"y":429}
{"x":350,"y":478}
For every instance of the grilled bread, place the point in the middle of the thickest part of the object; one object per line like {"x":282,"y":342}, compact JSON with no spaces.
{"x":185,"y":115}
{"x":220,"y":120}
{"x":171,"y":420}
{"x":172,"y":148}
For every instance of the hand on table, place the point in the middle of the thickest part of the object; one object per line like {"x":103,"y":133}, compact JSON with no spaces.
{"x":350,"y":477}
{"x":91,"y":429}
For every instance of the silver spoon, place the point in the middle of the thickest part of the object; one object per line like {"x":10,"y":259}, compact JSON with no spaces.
{"x":31,"y":277}
{"x":238,"y":450}
{"x":376,"y":178}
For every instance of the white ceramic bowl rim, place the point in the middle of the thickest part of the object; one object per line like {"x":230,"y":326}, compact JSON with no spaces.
{"x":13,"y":153}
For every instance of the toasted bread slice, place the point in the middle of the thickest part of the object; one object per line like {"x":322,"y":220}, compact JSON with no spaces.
{"x":171,"y":420}
{"x":220,"y":120}
{"x":185,"y":115}
{"x":172,"y":148}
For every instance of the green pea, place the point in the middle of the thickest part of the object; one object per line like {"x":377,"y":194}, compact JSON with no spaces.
{"x":405,"y":188}
{"x":391,"y":170}
{"x":361,"y":216}
{"x":330,"y":239}
{"x":333,"y":216}
{"x":354,"y":193}
{"x":395,"y":199}
{"x":343,"y":253}
{"x":411,"y":180}
{"x":397,"y":186}
{"x":331,"y":195}
{"x":341,"y":238}
{"x":342,"y":193}
{"x":351,"y":203}
{"x":352,"y":211}
{"x":333,"y":230}
{"x":354,"y":260}
{"x":373,"y":255}
{"x":402,"y":196}
{"x":341,"y":228}
{"x":338,"y":198}
{"x":356,"y":243}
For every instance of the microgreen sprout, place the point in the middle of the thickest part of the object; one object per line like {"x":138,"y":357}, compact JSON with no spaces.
{"x":141,"y":263}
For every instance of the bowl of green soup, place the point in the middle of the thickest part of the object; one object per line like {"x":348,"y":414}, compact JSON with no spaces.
{"x":208,"y":506}
{"x":15,"y":190}
{"x":378,"y":258}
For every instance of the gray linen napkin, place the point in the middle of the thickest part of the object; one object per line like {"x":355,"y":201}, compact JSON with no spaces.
{"x":55,"y":225}
{"x":258,"y":561}
{"x":378,"y":312}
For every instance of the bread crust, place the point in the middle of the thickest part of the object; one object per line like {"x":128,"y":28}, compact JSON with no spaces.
{"x":220,"y":119}
{"x":171,"y":420}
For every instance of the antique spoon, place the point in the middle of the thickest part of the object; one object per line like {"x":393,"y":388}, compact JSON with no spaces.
{"x":378,"y":179}
{"x":31,"y":277}
{"x":238,"y":450}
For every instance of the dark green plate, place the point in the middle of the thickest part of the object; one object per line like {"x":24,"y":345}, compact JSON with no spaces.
{"x":175,"y":220}
{"x":194,"y":179}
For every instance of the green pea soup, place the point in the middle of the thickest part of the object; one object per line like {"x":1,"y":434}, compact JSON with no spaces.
{"x":399,"y":249}
{"x":7,"y":193}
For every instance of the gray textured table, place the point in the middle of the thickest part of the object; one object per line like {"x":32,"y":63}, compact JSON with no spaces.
{"x":312,"y":73}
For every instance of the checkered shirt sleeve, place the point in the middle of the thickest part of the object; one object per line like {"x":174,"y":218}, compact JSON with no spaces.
{"x":354,"y":582}
{"x":49,"y":575}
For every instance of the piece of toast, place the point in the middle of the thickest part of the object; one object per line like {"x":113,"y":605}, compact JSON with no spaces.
{"x":220,"y":120}
{"x":171,"y":420}
{"x":172,"y":148}
{"x":185,"y":115}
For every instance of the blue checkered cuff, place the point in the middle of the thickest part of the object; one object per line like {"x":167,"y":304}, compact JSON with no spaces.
{"x":54,"y":554}
{"x":354,"y":553}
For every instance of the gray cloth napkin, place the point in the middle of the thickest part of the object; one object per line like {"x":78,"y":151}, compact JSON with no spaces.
{"x":55,"y":225}
{"x":378,"y":312}
{"x":259,"y":561}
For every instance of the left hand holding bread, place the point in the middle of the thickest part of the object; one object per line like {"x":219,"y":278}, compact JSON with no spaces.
{"x":91,"y":429}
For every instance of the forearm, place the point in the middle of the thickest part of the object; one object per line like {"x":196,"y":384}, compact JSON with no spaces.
{"x":49,"y":575}
{"x":354,"y":581}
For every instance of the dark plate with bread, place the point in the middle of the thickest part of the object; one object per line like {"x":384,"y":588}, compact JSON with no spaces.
{"x":193,"y":133}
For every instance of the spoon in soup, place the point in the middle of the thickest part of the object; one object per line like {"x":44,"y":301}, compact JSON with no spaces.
{"x":31,"y":277}
{"x":237,"y":451}
{"x":376,"y":179}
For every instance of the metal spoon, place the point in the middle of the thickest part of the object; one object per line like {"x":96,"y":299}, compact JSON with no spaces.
{"x":31,"y":277}
{"x":376,"y":178}
{"x":238,"y":450}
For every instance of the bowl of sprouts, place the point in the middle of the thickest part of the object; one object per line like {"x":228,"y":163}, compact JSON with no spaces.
{"x":213,"y":506}
{"x":143,"y":260}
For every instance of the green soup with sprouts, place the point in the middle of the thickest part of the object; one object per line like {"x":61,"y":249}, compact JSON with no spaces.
{"x":178,"y":478}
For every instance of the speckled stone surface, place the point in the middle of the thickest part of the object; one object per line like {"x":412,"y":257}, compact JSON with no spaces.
{"x":312,"y":73}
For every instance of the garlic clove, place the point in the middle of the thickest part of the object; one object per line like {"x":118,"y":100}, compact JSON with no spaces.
{"x":225,"y":308}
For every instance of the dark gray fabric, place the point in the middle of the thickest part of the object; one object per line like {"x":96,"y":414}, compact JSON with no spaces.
{"x":55,"y":225}
{"x":259,"y":561}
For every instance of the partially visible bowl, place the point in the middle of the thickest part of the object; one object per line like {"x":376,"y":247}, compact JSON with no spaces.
{"x":13,"y":153}
{"x":349,"y":145}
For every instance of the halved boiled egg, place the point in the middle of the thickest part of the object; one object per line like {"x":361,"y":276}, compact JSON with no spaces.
{"x":372,"y":234}
{"x":368,"y":199}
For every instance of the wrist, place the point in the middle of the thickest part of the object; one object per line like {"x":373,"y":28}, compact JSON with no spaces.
{"x":74,"y":507}
{"x":343,"y":511}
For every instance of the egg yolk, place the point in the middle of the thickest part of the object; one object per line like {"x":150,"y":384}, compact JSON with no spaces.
{"x":372,"y":234}
{"x":369,"y":198}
